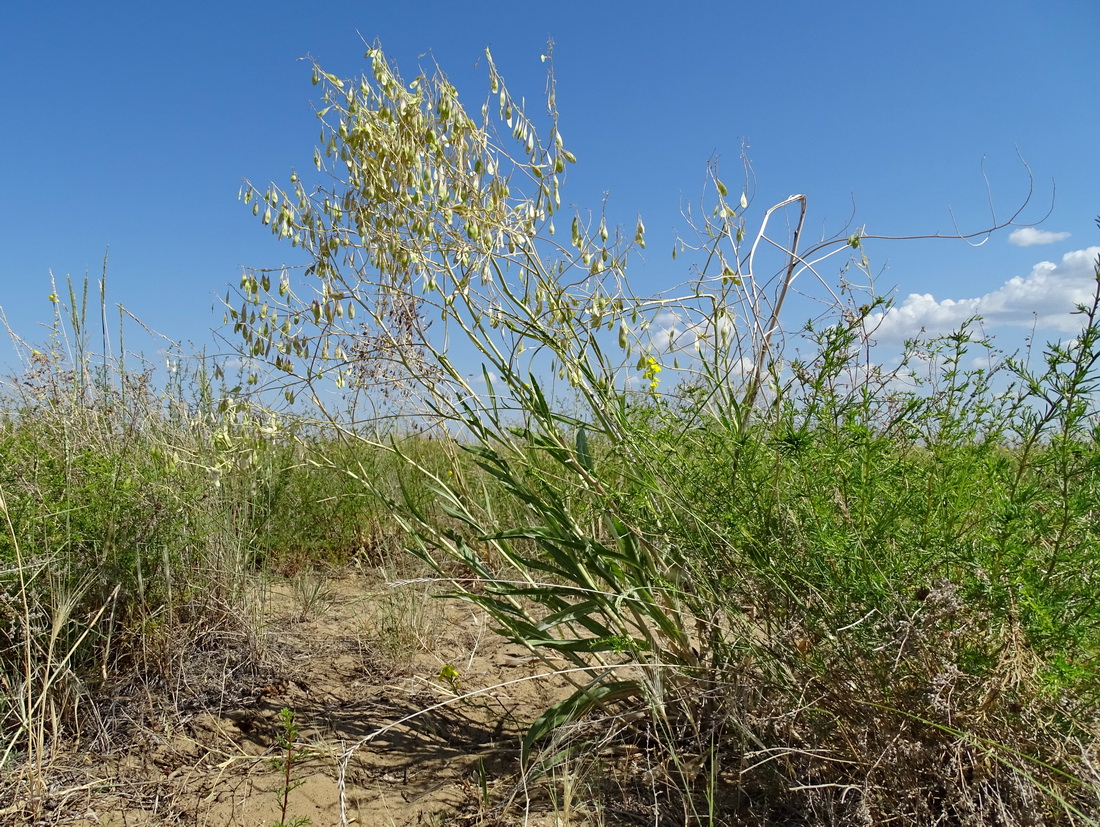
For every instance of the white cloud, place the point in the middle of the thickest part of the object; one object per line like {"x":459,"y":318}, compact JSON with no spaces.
{"x":1027,"y":236}
{"x":479,"y":378}
{"x":669,"y":332}
{"x":672,"y":332}
{"x":1044,"y":298}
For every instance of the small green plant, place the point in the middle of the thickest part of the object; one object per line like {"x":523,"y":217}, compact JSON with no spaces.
{"x":449,"y":675}
{"x":290,"y":756}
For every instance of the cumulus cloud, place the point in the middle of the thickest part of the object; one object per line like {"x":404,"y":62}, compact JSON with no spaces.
{"x":1027,"y":236}
{"x":1045,"y":298}
{"x":479,"y":378}
{"x":675,"y":332}
{"x":669,"y":331}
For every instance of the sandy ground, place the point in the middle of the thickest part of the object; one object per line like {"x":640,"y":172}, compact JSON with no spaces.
{"x":384,"y":741}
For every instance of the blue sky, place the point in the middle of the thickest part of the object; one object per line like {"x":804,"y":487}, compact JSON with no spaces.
{"x":131,"y":126}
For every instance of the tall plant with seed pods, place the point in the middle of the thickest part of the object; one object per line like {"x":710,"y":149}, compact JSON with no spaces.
{"x":645,"y":509}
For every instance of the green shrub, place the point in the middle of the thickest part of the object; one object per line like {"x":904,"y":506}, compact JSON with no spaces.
{"x":815,"y":590}
{"x":119,"y":547}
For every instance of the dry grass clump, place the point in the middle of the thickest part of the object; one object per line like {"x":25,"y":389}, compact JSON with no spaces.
{"x":124,"y":582}
{"x":902,"y":734}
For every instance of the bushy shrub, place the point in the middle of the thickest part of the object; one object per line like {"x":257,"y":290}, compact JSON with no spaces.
{"x":812,"y":590}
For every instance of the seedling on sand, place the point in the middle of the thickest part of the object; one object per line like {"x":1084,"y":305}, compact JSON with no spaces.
{"x":290,"y":756}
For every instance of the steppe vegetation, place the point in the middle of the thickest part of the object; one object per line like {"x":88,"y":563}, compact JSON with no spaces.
{"x":773,"y":576}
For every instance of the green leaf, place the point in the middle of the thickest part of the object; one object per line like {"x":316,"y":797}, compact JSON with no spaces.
{"x":575,"y":707}
{"x":584,"y":456}
{"x":589,"y":645}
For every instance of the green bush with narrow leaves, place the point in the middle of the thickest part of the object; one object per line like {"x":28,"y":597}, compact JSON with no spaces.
{"x":813,"y":589}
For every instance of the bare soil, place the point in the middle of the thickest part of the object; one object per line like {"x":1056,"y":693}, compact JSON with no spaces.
{"x":386,"y":741}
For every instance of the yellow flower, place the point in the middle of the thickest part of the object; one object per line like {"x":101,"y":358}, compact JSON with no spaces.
{"x":651,"y":372}
{"x":53,"y":298}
